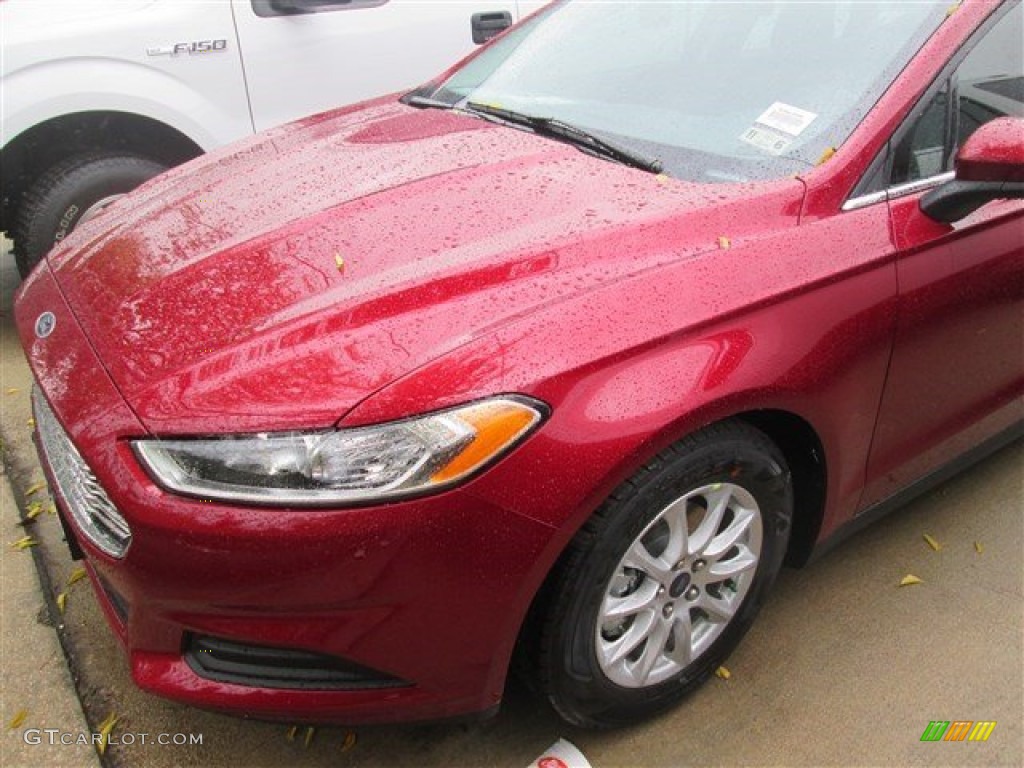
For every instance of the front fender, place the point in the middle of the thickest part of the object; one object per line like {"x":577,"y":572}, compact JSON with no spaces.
{"x":775,"y":322}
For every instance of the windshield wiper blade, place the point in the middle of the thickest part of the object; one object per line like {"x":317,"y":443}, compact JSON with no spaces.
{"x":573,"y":134}
{"x":604,"y":147}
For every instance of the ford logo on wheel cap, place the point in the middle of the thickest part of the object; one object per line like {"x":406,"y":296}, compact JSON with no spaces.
{"x":45,"y":324}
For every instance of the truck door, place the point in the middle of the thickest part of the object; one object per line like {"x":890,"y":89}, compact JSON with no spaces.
{"x":305,"y":56}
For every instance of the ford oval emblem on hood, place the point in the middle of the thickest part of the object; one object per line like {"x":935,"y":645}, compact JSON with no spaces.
{"x":45,"y":324}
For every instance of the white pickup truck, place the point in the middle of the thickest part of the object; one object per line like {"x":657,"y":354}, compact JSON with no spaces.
{"x":100,"y":95}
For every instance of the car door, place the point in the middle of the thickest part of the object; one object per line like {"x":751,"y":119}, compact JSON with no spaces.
{"x":306,"y":56}
{"x":957,"y":369}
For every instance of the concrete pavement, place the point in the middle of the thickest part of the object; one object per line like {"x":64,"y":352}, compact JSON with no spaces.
{"x":843,"y":668}
{"x":37,"y":686}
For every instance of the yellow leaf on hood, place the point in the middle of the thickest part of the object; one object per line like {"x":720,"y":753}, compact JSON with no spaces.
{"x":18,"y":719}
{"x":76,"y":575}
{"x":909,"y":580}
{"x":339,"y":262}
{"x":723,"y":673}
{"x":932,"y":542}
{"x":724,"y":243}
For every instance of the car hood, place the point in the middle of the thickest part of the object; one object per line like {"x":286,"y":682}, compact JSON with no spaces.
{"x":276,"y":283}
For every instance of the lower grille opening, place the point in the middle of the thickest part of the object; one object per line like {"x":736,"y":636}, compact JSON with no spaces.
{"x":229,"y":661}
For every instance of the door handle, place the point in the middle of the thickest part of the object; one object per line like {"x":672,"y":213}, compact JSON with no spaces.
{"x":486,"y":25}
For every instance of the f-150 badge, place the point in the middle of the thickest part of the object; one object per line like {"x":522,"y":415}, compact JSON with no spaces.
{"x":193,"y":48}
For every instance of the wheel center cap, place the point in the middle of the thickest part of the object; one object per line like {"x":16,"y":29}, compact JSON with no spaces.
{"x":682,"y":581}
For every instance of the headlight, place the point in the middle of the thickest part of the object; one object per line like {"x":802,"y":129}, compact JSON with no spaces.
{"x":347,"y":466}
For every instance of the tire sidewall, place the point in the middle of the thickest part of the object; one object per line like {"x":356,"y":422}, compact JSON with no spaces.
{"x":761,"y":473}
{"x":67,"y":205}
{"x":61,"y":201}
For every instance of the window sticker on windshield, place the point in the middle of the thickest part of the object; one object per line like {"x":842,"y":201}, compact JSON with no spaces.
{"x":776,"y":127}
{"x":783,"y":117}
{"x":772,"y":142}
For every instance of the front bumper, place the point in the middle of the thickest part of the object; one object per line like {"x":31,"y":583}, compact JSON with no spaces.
{"x":406,"y":612}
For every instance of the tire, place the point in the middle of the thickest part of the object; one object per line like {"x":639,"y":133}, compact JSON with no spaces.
{"x":63,"y":196}
{"x":613,"y":647}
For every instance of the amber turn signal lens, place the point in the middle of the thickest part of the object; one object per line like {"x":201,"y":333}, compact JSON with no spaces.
{"x":498,"y":425}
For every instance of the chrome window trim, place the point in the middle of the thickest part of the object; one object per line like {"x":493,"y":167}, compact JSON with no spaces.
{"x":900,"y":190}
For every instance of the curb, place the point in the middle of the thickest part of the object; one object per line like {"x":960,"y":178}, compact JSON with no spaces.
{"x":53,"y":614}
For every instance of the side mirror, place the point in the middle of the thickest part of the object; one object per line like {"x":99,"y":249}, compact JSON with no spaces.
{"x":989,"y":166}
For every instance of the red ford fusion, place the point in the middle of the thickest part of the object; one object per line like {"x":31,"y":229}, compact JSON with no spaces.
{"x":561,"y":355}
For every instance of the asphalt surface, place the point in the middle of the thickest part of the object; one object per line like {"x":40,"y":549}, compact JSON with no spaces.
{"x":843,"y":668}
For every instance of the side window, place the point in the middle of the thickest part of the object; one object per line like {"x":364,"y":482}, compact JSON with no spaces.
{"x":988,"y":83}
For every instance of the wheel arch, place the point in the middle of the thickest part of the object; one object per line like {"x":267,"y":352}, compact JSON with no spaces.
{"x":32,"y":152}
{"x":805,"y":455}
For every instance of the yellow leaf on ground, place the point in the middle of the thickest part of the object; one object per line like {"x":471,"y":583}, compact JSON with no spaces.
{"x":310,"y":730}
{"x":24,"y":543}
{"x":290,"y":735}
{"x":18,"y":719}
{"x":978,"y":548}
{"x":12,"y":390}
{"x":33,"y":510}
{"x":62,"y":601}
{"x":76,"y":575}
{"x":349,"y":742}
{"x":909,"y":580}
{"x":106,"y":727}
{"x":35,"y":488}
{"x":932,"y":542}
{"x":31,"y":423}
{"x":723,"y":673}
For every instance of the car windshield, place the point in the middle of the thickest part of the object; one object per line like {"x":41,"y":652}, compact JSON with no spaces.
{"x":712,"y":91}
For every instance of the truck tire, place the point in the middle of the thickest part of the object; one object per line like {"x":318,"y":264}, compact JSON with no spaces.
{"x":70,"y":192}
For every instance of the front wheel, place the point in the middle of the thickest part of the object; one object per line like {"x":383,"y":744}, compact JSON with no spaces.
{"x":72,"y":191}
{"x":665,"y":579}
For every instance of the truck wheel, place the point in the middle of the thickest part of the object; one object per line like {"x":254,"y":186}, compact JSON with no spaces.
{"x":69,"y":193}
